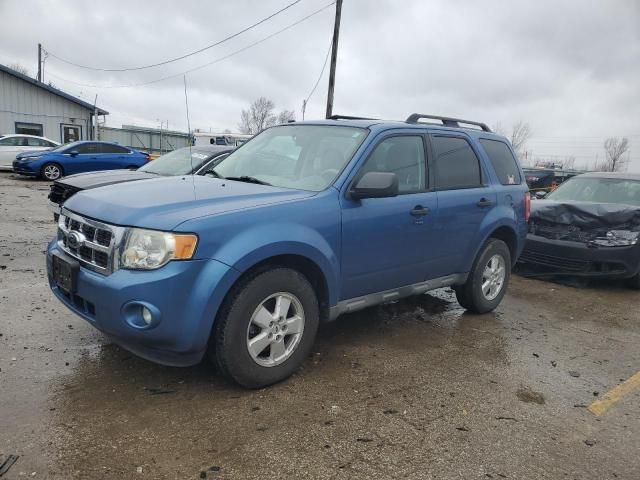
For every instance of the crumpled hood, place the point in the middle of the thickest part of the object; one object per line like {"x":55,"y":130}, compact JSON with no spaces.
{"x":83,"y":181}
{"x":586,"y":215}
{"x":165,"y":203}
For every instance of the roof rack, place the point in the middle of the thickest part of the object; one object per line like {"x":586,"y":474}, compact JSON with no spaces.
{"x":347,"y":117}
{"x":447,"y":121}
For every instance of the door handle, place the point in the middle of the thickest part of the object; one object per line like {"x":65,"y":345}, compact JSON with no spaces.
{"x":420,"y":211}
{"x":485,"y":202}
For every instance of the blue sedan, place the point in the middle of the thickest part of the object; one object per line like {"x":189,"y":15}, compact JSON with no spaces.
{"x":78,"y":157}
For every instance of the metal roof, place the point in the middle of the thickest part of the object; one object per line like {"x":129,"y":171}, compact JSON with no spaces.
{"x":51,"y":89}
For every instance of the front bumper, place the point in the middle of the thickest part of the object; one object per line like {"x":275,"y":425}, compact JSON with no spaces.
{"x":186,"y":295}
{"x":560,"y":257}
{"x":25,"y":168}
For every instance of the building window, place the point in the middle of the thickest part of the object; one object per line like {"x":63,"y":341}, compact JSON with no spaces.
{"x":29,"y":128}
{"x":70,"y":133}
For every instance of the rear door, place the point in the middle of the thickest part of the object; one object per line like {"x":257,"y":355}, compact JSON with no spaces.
{"x":85,"y":161}
{"x":37,"y":144}
{"x":510,"y":186}
{"x":387,"y":242}
{"x":114,"y":156}
{"x":465,"y":198}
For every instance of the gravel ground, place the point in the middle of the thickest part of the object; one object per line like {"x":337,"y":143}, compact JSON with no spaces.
{"x":414,"y":389}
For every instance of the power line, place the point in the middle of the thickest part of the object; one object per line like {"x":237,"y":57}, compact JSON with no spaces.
{"x":324,"y":65}
{"x":181,"y":57}
{"x":218,"y":60}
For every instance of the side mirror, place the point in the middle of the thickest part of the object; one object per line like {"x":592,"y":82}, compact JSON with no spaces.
{"x":74,"y":153}
{"x":375,"y":185}
{"x":541,"y":194}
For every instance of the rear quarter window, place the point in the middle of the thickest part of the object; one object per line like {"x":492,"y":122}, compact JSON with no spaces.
{"x":503,"y":161}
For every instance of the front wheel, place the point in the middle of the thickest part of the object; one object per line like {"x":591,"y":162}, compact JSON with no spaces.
{"x":488,"y":279}
{"x":265,"y":328}
{"x":51,"y":171}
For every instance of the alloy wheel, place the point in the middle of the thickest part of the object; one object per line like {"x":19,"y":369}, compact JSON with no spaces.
{"x":275,"y":329}
{"x":493,"y":277}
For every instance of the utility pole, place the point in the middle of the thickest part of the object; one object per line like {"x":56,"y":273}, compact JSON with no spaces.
{"x":39,"y":62}
{"x":334,"y":58}
{"x":96,"y":133}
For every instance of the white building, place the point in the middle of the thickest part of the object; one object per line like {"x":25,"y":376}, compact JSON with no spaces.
{"x":34,"y":108}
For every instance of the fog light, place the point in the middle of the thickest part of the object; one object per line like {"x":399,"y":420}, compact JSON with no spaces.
{"x":146,"y":315}
{"x":141,"y":315}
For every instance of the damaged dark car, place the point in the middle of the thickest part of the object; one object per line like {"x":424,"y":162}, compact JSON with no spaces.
{"x":588,"y":227}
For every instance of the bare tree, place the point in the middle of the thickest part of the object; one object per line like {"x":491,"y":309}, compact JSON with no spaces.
{"x":499,"y":129}
{"x":258,"y":117}
{"x":19,"y":68}
{"x":569,"y":162}
{"x":285,"y":115}
{"x":520,"y":134}
{"x":615,"y":149}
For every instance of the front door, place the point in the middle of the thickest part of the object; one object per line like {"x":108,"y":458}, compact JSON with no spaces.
{"x":386,"y":242}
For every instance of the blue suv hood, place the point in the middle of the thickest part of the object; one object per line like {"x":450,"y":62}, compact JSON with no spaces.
{"x":165,"y":203}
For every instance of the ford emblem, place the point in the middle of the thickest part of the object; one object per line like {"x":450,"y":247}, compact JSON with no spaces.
{"x":75,"y":240}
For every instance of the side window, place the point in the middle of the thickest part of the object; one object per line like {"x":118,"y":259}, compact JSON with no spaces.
{"x":456,"y":165}
{"x":402,"y":155}
{"x":114,"y":149}
{"x":503,"y":162}
{"x":10,"y":141}
{"x":87,"y":148}
{"x":35,"y":142}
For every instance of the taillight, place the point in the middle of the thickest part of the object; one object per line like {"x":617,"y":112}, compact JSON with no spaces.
{"x":527,"y":206}
{"x":147,"y":157}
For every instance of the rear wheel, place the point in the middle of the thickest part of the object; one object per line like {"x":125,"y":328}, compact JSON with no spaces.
{"x":51,"y":171}
{"x":488,"y":279}
{"x":265,"y":328}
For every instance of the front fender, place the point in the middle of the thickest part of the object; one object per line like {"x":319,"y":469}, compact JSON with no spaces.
{"x":262,"y":242}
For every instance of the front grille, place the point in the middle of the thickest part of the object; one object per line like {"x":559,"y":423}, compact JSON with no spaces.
{"x":93,"y":243}
{"x":559,"y":263}
{"x":58,"y":193}
{"x":559,"y":231}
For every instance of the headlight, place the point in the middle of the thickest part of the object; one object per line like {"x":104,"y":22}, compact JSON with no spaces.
{"x":617,"y":238}
{"x":150,"y":249}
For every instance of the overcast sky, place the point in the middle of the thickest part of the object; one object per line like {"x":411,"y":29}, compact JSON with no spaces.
{"x":571,"y":69}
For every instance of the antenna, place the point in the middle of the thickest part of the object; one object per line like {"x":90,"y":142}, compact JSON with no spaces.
{"x":186,"y":103}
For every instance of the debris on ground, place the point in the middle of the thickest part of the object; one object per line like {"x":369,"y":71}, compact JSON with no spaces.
{"x":525,"y":394}
{"x":8,"y":463}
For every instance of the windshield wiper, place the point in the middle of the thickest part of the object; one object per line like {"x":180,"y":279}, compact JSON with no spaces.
{"x":212,"y":172}
{"x":248,"y":179}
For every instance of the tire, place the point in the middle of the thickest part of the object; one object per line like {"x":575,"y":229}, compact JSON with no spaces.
{"x":132,"y":167}
{"x":51,"y":171}
{"x":471,"y":295}
{"x":634,"y":282}
{"x":250,"y":314}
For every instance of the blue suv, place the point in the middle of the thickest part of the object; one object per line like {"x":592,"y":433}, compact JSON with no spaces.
{"x":78,"y":157}
{"x":304,"y":222}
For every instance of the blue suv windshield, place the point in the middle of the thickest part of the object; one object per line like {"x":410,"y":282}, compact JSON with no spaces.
{"x":304,"y":157}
